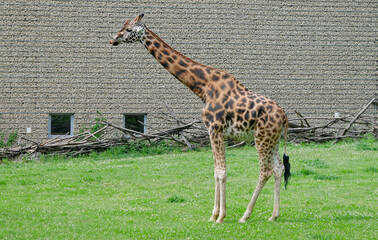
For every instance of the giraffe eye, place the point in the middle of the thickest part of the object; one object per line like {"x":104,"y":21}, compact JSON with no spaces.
{"x":128,"y":30}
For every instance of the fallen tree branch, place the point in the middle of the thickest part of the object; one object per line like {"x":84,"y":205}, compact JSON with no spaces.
{"x":237,"y":145}
{"x":182,"y":134}
{"x":357,"y":116}
{"x":302,"y":118}
{"x":191,"y":134}
{"x":313,"y":128}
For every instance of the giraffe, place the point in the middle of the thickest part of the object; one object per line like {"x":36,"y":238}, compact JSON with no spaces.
{"x":230,"y":111}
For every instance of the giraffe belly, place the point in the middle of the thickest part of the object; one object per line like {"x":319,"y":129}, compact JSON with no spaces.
{"x":239,"y":133}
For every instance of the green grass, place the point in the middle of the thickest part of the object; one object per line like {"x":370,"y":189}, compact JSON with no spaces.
{"x":332,"y":195}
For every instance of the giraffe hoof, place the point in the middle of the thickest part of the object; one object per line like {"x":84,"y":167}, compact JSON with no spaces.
{"x":219,"y":221}
{"x":272,"y":219}
{"x":242,"y":220}
{"x":212,"y":219}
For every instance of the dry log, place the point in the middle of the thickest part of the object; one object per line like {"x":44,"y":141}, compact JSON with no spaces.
{"x":299,"y":129}
{"x":302,"y":119}
{"x":357,"y":116}
{"x":178,"y":123}
{"x":237,"y":145}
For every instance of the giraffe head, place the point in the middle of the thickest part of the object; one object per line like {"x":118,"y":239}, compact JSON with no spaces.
{"x":132,"y":31}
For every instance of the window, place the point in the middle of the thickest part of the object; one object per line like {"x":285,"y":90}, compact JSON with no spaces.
{"x":135,"y":122}
{"x":60,"y":124}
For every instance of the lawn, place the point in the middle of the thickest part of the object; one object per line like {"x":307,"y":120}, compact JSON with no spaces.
{"x":332,"y":195}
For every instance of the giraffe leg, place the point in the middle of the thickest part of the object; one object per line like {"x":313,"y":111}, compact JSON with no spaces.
{"x":277,"y":170}
{"x":215,"y":214}
{"x":264,"y":176}
{"x":265,"y":160}
{"x":220,"y":175}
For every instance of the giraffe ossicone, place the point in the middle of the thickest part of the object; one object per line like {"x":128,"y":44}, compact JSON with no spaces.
{"x":230,"y":111}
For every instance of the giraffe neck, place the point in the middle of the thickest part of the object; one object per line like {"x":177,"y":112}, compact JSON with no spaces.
{"x":187,"y":71}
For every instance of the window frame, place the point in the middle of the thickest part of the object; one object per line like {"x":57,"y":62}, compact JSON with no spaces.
{"x":71,"y":125}
{"x":136,"y":114}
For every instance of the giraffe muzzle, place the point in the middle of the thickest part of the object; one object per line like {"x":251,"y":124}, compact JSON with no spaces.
{"x":112,"y":42}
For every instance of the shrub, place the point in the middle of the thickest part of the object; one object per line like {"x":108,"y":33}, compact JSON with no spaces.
{"x":12,"y":138}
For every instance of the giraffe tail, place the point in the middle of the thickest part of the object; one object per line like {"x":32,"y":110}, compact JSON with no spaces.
{"x":285,"y":156}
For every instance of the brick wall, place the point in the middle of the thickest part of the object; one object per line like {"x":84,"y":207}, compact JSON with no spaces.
{"x":316,"y":57}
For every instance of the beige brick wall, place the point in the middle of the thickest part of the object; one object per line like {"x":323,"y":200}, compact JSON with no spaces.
{"x":317,"y":57}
